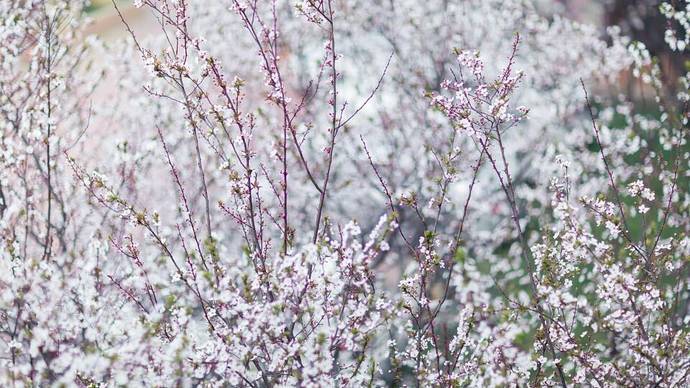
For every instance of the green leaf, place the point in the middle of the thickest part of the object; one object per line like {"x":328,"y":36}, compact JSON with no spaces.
{"x":460,"y":256}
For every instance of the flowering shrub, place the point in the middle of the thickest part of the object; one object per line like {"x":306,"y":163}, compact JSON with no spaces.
{"x":328,"y":193}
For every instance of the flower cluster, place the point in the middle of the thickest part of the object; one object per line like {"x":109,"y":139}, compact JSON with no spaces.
{"x":677,"y":39}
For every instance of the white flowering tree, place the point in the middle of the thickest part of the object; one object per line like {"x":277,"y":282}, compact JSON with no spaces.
{"x":341,"y":193}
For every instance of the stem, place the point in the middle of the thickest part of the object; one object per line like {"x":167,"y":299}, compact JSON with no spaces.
{"x":46,"y":248}
{"x":334,"y":126}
